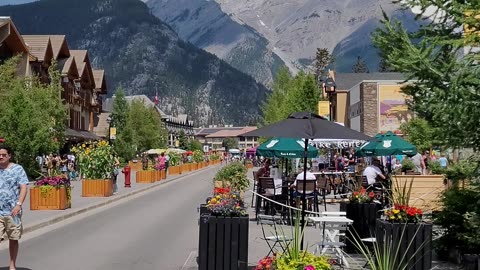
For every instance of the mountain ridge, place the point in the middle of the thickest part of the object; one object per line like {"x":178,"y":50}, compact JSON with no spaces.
{"x":144,"y":55}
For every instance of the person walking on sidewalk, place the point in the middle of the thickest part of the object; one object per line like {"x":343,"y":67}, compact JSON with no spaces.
{"x":115,"y":172}
{"x":13,"y":190}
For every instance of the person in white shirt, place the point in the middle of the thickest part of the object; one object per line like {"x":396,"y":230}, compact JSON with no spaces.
{"x":372,"y":172}
{"x":297,"y":193}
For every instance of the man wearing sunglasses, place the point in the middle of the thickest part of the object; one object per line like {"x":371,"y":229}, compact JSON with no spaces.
{"x":13,"y":190}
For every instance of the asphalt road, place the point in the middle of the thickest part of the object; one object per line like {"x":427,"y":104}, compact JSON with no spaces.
{"x":157,"y":229}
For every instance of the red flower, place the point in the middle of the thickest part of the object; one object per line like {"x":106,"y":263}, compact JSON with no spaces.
{"x":371,"y":194}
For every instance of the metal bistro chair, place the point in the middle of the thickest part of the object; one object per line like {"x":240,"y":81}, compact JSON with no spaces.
{"x":333,"y":238}
{"x":276,"y":236}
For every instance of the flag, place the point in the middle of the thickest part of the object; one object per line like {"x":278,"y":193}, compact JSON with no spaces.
{"x":155,"y":99}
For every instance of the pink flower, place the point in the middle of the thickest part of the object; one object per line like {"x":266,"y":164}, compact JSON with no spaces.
{"x":309,"y":267}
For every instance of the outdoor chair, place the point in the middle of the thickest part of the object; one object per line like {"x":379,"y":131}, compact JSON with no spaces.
{"x":255,"y":180}
{"x":333,"y":239}
{"x":264,"y":184}
{"x":312,"y":193}
{"x":273,"y":233}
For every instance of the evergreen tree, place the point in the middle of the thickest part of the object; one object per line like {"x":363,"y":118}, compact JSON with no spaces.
{"x":183,"y":141}
{"x":360,"y":66}
{"x":32,"y":115}
{"x":120,"y":109}
{"x":383,"y":66}
{"x":443,"y":71}
{"x":322,"y":60}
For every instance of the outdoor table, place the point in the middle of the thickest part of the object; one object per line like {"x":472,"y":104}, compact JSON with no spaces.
{"x":329,"y":234}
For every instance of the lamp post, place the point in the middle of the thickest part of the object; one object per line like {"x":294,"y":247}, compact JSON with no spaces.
{"x":330,"y":87}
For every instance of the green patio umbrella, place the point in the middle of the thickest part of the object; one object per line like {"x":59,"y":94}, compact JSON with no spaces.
{"x":285,"y":148}
{"x":387,"y":144}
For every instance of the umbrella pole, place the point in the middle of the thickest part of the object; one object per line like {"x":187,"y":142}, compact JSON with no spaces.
{"x":304,"y":199}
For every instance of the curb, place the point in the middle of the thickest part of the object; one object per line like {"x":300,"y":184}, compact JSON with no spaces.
{"x":85,"y":209}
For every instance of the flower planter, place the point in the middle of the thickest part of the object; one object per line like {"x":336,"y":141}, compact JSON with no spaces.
{"x":158,"y":175}
{"x":223,"y":243}
{"x":186,"y":167}
{"x":413,"y":240}
{"x":426,"y":190}
{"x":135,"y":166}
{"x":163,"y":174}
{"x":97,"y":188}
{"x":195,"y":166}
{"x":174,"y":170}
{"x":364,"y":216}
{"x":144,"y":176}
{"x":54,"y":199}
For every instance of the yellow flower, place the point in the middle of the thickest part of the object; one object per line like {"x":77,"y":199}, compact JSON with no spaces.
{"x":83,"y":145}
{"x":396,"y":211}
{"x":392,"y":217}
{"x":218,"y":197}
{"x":234,"y":196}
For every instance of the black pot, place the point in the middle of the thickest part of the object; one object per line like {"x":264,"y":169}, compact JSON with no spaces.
{"x":471,"y":261}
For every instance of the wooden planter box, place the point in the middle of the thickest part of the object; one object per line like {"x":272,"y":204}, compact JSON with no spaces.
{"x":250,"y":166}
{"x":163,"y":174}
{"x":196,"y":166}
{"x":135,"y":166}
{"x":223,"y":243}
{"x":144,"y":177}
{"x":426,"y":190}
{"x":175,"y":170}
{"x":186,"y":167}
{"x":158,"y":175}
{"x":54,"y":199}
{"x":364,"y":216}
{"x":97,"y":188}
{"x":414,"y":240}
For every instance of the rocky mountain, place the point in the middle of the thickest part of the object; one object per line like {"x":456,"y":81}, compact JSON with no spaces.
{"x":205,"y":25}
{"x":294,"y":29}
{"x":144,"y":55}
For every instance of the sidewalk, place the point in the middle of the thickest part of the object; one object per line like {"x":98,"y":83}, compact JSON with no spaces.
{"x":36,"y":219}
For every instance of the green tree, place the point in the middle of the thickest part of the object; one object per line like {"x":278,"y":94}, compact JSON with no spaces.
{"x":419,"y":132}
{"x":443,"y":72}
{"x":195,"y":145}
{"x":323,"y":59}
{"x":183,"y":141}
{"x":146,"y":125}
{"x":32,"y":115}
{"x":383,"y":66}
{"x":273,"y":108}
{"x":290,"y":95}
{"x":230,"y":143}
{"x":360,"y":66}
{"x":120,"y":109}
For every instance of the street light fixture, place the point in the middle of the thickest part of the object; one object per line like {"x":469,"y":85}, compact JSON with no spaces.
{"x":330,"y":87}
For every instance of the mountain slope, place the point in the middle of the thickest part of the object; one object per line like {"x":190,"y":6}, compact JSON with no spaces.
{"x":296,"y":28}
{"x":205,"y":25}
{"x":142,"y":54}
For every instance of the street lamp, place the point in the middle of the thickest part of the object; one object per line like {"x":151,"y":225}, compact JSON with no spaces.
{"x":329,"y":86}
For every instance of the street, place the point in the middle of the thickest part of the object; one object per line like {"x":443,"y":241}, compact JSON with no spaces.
{"x":156,"y":229}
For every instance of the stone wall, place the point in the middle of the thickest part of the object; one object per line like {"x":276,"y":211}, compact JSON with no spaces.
{"x":369,"y":96}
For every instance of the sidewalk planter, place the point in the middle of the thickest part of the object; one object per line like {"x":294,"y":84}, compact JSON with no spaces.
{"x":426,"y":190}
{"x":144,"y":176}
{"x":97,"y":187}
{"x":364,"y":216}
{"x":135,"y":166}
{"x":186,"y":167}
{"x":174,"y":170}
{"x":53,"y":199}
{"x":195,"y":166}
{"x":158,"y":175}
{"x":163,"y":174}
{"x":412,"y":239}
{"x":223,"y":243}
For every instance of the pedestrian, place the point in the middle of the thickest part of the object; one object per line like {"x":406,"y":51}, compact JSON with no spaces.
{"x":115,"y":171}
{"x":161,"y":160}
{"x":443,"y":161}
{"x":13,"y":190}
{"x":167,"y":163}
{"x":417,"y":161}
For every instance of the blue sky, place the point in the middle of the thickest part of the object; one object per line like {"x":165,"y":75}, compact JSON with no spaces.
{"x":14,"y":2}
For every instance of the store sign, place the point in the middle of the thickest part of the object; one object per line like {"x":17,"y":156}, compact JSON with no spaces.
{"x":113,"y":133}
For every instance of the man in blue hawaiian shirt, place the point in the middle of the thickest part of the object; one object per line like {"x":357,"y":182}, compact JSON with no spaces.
{"x":13,"y":190}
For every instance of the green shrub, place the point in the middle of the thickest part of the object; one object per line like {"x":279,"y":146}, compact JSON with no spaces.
{"x":235,"y":175}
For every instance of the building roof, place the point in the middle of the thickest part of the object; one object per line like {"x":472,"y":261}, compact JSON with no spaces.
{"x":68,"y":67}
{"x":14,"y":40}
{"x":100,"y":83}
{"x":59,"y":46}
{"x":210,"y":130}
{"x":346,"y":81}
{"x":39,"y":46}
{"x":230,"y":132}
